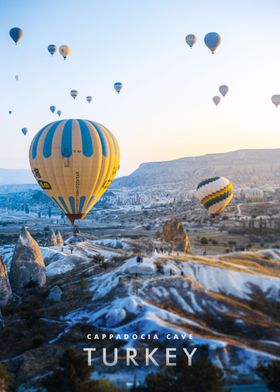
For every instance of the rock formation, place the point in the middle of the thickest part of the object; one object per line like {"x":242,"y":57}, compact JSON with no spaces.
{"x":175,"y":235}
{"x":59,"y":238}
{"x":5,"y":288}
{"x":28,"y":266}
{"x":51,"y":237}
{"x":55,"y":294}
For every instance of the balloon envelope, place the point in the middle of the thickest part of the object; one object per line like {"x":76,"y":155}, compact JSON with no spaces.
{"x":214,"y":194}
{"x":216,"y":100}
{"x":118,"y":86}
{"x":64,"y":50}
{"x":10,"y":112}
{"x":16,"y":34}
{"x":89,"y":98}
{"x":52,"y":109}
{"x":24,"y":131}
{"x":74,"y":93}
{"x":52,"y":49}
{"x":59,"y":113}
{"x":223,"y":89}
{"x":190,"y":40}
{"x":276,"y":100}
{"x":74,"y":162}
{"x":212,"y":41}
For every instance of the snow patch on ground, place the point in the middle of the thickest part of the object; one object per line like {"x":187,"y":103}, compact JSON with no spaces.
{"x":272,"y":253}
{"x":113,"y":243}
{"x":59,"y":267}
{"x":181,"y":302}
{"x":115,"y":317}
{"x":235,"y":283}
{"x":147,"y":267}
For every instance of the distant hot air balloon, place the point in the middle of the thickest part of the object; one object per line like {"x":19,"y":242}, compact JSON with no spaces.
{"x":215,"y":194}
{"x":89,"y":98}
{"x":52,"y":109}
{"x":74,"y":93}
{"x":212,"y":41}
{"x":24,"y":131}
{"x":276,"y":100}
{"x":216,"y":100}
{"x":223,"y":89}
{"x":10,"y":112}
{"x":118,"y":86}
{"x":74,"y":162}
{"x":16,"y":34}
{"x":59,"y":113}
{"x":52,"y":49}
{"x":190,"y":40}
{"x":64,"y":50}
{"x":16,"y":77}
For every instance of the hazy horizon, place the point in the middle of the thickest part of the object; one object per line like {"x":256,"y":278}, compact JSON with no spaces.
{"x":142,"y":163}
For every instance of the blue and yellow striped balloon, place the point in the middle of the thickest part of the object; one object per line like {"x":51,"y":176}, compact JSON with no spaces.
{"x":74,"y":161}
{"x":215,"y":194}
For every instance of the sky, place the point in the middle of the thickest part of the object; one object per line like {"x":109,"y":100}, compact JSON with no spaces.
{"x":165,"y":110}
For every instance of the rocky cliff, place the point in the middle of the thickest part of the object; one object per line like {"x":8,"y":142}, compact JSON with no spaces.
{"x":243,"y":167}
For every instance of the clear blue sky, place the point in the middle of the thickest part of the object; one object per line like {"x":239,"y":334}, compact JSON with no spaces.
{"x":165,"y":110}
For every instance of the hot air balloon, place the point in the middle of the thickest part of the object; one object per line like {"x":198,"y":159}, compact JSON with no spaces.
{"x":118,"y":86}
{"x":64,"y":50}
{"x":216,"y":100}
{"x":52,"y":49}
{"x":223,"y":89}
{"x":52,"y":109}
{"x":276,"y":100}
{"x":89,"y":98}
{"x":74,"y":93}
{"x":16,"y":77}
{"x":59,"y":113}
{"x":212,"y":41}
{"x":16,"y":34}
{"x":10,"y":112}
{"x":214,"y":194}
{"x":191,"y":40}
{"x":24,"y":131}
{"x":74,"y":162}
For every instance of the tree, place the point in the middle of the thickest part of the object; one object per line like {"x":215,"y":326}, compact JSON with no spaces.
{"x":5,"y":378}
{"x":202,"y":376}
{"x":83,"y":282}
{"x":271,"y":375}
{"x":73,"y":375}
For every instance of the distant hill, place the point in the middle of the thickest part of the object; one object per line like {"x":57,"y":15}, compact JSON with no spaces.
{"x":16,"y":176}
{"x":243,"y":167}
{"x":15,"y":188}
